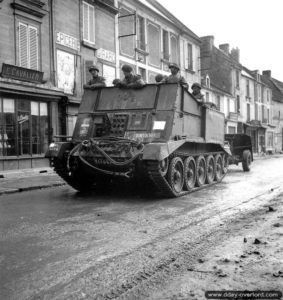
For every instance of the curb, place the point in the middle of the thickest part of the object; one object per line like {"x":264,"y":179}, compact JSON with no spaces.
{"x":37,"y":187}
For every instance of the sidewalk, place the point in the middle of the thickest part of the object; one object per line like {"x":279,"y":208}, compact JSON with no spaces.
{"x":28,"y":179}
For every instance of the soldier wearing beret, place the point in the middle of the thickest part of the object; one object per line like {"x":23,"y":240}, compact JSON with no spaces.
{"x":96,"y":81}
{"x":196,"y":87}
{"x":175,"y":76}
{"x":130,"y":80}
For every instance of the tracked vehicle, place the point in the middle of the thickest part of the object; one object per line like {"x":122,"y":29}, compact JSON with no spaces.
{"x":157,"y":137}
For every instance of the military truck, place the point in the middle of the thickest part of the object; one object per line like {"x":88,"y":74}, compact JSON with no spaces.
{"x":241,"y":149}
{"x":157,"y":137}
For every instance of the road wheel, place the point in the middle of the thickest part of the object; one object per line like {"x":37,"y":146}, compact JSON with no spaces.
{"x":210,"y":169}
{"x":176,"y":175}
{"x":163,"y":166}
{"x":190,"y":173}
{"x":247,"y":160}
{"x":201,"y":170}
{"x":218,"y":167}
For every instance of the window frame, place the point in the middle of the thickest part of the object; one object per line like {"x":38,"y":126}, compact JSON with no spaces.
{"x":88,"y":39}
{"x":30,"y":51}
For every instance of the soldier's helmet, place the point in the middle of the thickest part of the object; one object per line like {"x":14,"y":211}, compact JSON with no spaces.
{"x":127,"y":68}
{"x":159,"y":77}
{"x":174,"y":65}
{"x":93,"y":67}
{"x":196,"y":84}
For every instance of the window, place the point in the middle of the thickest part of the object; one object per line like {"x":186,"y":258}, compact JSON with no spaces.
{"x":142,"y":72}
{"x":207,"y":81}
{"x":207,"y":96}
{"x":28,"y":46}
{"x":23,"y":127}
{"x":238,"y":104}
{"x":218,"y":103}
{"x":256,"y":111}
{"x":270,"y":137}
{"x":154,"y":50}
{"x":259,"y":93}
{"x":248,"y":112}
{"x":268,"y":117}
{"x":174,"y":48}
{"x":237,"y":79}
{"x":247,"y":88}
{"x":7,"y":127}
{"x":88,"y":23}
{"x":268,"y":95}
{"x":262,"y":113}
{"x":231,"y":129}
{"x":141,"y":33}
{"x":190,"y":56}
{"x":165,"y":36}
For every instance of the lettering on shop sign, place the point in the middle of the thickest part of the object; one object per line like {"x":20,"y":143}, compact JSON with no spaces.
{"x":106,"y":55}
{"x":67,"y":40}
{"x":19,"y":73}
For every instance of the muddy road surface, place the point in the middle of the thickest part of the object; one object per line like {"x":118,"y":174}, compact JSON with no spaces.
{"x":59,"y":244}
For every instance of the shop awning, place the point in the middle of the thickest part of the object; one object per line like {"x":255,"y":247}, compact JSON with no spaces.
{"x":11,"y":89}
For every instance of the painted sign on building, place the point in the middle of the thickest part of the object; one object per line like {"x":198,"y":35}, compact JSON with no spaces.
{"x":66,"y":71}
{"x":19,"y":73}
{"x":106,"y":55}
{"x":67,"y":40}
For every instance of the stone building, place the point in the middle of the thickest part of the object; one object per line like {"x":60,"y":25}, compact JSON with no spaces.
{"x":220,"y":73}
{"x":276,"y":87}
{"x":29,"y":98}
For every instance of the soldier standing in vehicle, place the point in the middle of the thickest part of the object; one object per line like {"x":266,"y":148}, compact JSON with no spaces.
{"x":130,"y":80}
{"x":96,"y":81}
{"x":196,"y":87}
{"x":175,"y":76}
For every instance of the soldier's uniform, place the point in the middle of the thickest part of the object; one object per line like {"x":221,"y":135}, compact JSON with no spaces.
{"x":130,"y":80}
{"x":96,"y":81}
{"x":196,"y":87}
{"x":176,"y":78}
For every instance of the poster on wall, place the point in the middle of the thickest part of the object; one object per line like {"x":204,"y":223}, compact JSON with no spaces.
{"x":66,"y":71}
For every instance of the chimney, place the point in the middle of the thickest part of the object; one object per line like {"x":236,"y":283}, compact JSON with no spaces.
{"x":207,"y":43}
{"x":225,"y":48}
{"x":267,"y":73}
{"x":235,"y":54}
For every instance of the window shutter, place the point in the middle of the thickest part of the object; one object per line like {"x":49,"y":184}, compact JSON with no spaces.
{"x":91,"y":24}
{"x":85,"y":21}
{"x":23,"y":45}
{"x":33,"y":48}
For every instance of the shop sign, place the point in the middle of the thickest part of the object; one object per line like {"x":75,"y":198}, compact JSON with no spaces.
{"x":67,"y":41}
{"x":19,"y":73}
{"x":106,"y":55}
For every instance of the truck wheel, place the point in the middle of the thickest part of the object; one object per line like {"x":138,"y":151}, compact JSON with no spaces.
{"x":247,"y":159}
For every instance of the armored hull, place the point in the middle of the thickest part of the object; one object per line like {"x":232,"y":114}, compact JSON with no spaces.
{"x":158,"y":137}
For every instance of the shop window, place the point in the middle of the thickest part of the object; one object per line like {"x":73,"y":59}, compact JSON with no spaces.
{"x":88,"y":23}
{"x":28,"y":46}
{"x":24,"y":127}
{"x":7,"y":127}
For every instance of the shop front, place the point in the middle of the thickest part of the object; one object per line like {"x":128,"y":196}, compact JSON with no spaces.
{"x":28,"y":118}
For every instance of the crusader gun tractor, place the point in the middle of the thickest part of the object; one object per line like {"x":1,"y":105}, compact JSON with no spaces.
{"x":158,"y":136}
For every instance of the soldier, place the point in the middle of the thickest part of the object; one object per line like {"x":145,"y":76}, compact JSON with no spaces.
{"x":130,"y":80}
{"x":196,"y":87}
{"x":96,"y":81}
{"x":159,"y":78}
{"x":175,"y":76}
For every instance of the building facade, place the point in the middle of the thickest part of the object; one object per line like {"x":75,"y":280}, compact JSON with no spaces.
{"x":29,"y":99}
{"x":220,"y":73}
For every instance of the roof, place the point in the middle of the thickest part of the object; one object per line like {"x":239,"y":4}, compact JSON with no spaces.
{"x":276,"y":87}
